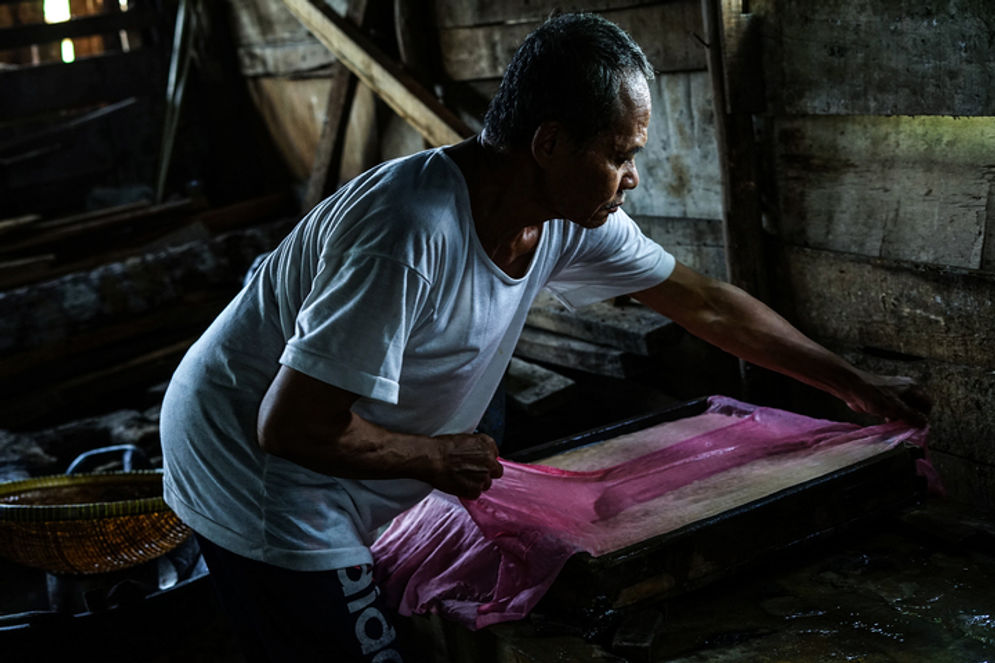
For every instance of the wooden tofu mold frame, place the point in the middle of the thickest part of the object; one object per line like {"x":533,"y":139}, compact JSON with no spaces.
{"x":592,"y":592}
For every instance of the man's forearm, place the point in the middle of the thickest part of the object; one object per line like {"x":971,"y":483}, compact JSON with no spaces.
{"x":733,"y":320}
{"x":752,"y":331}
{"x":348,"y":446}
{"x":311,"y":423}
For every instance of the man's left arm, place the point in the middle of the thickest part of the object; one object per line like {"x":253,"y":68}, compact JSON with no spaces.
{"x":731,"y":319}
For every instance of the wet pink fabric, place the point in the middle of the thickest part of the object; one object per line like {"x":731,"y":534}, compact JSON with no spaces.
{"x":490,"y":560}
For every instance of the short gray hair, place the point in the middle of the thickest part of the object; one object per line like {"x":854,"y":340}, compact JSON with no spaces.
{"x":570,"y":69}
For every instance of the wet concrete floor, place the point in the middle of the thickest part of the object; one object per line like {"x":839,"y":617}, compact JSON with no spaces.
{"x":916,"y":588}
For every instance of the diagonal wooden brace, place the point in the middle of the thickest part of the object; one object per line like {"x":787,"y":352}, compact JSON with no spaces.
{"x":436,"y":123}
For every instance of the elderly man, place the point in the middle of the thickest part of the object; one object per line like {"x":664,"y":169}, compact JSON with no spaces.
{"x":346,"y":380}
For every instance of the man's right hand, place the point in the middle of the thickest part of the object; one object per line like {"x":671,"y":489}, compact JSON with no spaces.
{"x":467,"y":463}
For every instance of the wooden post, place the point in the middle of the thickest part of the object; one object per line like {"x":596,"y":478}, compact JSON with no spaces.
{"x":737,"y":88}
{"x":742,"y":216}
{"x":325,"y":171}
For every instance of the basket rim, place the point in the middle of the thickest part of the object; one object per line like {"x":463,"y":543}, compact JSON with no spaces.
{"x":82,"y":510}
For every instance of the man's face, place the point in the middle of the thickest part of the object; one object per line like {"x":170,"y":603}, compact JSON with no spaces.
{"x":588,"y":182}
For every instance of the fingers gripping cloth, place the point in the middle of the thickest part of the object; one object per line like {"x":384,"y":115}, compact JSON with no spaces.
{"x":490,"y":560}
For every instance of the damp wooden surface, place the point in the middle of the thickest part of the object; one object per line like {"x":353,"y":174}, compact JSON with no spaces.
{"x":908,"y":188}
{"x":842,"y":57}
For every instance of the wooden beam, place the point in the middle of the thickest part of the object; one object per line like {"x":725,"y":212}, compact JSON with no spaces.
{"x":90,"y":390}
{"x":885,"y":58}
{"x":449,"y":14}
{"x":390,"y":81}
{"x":57,"y":231}
{"x":324,"y":173}
{"x":742,"y":224}
{"x":742,"y":219}
{"x":557,"y":350}
{"x":99,"y":79}
{"x":537,"y":390}
{"x":110,"y":23}
{"x":629,"y":327}
{"x":907,"y":188}
{"x":665,"y":32}
{"x":893,"y":306}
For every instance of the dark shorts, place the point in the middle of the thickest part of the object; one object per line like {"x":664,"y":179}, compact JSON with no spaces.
{"x":281,"y":615}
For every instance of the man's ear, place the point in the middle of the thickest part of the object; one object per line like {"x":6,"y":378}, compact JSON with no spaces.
{"x":545,"y":140}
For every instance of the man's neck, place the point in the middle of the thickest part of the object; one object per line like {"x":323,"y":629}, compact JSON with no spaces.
{"x":502,"y":188}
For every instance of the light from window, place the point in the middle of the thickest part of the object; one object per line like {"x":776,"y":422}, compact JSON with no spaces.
{"x":57,"y":11}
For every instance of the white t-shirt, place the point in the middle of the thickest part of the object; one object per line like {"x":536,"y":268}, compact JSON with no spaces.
{"x":382,"y":290}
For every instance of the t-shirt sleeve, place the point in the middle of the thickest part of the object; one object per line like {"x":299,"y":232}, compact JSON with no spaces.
{"x":354,"y":325}
{"x":614,"y":259}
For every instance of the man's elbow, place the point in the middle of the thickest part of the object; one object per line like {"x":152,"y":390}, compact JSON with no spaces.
{"x":272,"y":436}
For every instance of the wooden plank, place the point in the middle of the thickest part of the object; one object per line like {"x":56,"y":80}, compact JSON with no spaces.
{"x":909,"y":188}
{"x":270,"y":41}
{"x":843,"y":57}
{"x":679,"y":168}
{"x":663,"y":30}
{"x":537,"y":390}
{"x":88,"y":81}
{"x":58,"y":231}
{"x":265,"y":23}
{"x":464,"y":13}
{"x":695,"y":242}
{"x":294,"y":59}
{"x":557,"y":350}
{"x":292,"y":110}
{"x":151,"y":238}
{"x":940,"y":313}
{"x":741,"y":214}
{"x":65,"y":352}
{"x":397,"y":88}
{"x":135,"y":209}
{"x":90,"y":392}
{"x":82,"y":154}
{"x":961,"y":419}
{"x":323,"y":179}
{"x":742,"y":43}
{"x":53,"y":129}
{"x":18,"y":223}
{"x":111,"y":22}
{"x":629,"y":327}
{"x":988,"y":246}
{"x":361,"y":148}
{"x":21,"y":270}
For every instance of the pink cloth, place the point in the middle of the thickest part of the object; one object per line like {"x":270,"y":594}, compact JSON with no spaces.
{"x":490,"y":560}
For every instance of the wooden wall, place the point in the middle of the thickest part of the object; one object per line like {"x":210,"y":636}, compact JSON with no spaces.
{"x":880,"y":153}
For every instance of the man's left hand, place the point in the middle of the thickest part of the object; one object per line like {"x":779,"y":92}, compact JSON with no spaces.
{"x":891,"y":397}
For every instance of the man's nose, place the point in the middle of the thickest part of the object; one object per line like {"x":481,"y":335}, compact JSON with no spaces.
{"x":630,"y":177}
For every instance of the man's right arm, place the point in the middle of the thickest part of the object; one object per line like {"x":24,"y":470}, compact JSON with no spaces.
{"x":311,"y":423}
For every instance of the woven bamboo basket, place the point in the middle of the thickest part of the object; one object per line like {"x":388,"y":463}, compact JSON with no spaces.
{"x":87,"y":523}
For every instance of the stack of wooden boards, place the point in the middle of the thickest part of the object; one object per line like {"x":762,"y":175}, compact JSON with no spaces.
{"x":100,"y":304}
{"x":616,"y":338}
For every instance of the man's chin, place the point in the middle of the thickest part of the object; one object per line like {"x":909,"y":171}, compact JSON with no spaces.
{"x":596,"y":220}
{"x":600,"y":218}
